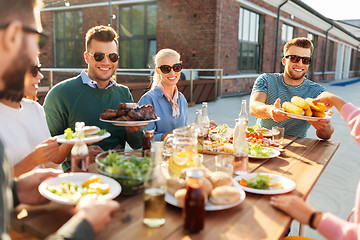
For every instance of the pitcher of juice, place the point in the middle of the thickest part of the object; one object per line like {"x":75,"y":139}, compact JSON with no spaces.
{"x":184,"y":152}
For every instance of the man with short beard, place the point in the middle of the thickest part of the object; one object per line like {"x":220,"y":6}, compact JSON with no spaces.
{"x":270,"y":90}
{"x":19,"y":31}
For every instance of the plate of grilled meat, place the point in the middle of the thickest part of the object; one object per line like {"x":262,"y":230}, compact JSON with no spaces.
{"x":130,"y":114}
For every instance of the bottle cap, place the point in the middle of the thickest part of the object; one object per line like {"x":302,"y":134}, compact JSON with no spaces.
{"x":195,"y":173}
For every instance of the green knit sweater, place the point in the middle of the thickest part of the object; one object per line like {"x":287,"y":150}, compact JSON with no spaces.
{"x":73,"y":101}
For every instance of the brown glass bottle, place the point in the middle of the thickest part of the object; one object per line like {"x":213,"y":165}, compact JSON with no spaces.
{"x":149,"y":138}
{"x":194,"y":206}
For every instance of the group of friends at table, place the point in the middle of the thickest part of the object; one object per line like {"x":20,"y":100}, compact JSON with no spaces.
{"x":29,"y":152}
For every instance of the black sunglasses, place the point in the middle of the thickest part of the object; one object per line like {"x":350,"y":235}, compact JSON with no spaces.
{"x":99,"y":56}
{"x":35,"y":69}
{"x":42,"y":36}
{"x":296,"y":59}
{"x":166,"y":68}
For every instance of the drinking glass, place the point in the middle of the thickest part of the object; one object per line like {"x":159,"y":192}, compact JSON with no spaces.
{"x":278,"y":134}
{"x":224,"y":163}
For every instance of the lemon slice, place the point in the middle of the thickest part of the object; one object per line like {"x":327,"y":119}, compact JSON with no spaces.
{"x":180,"y":160}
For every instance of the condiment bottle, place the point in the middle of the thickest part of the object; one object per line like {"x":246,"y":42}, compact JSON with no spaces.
{"x":243,"y":113}
{"x":193,"y":212}
{"x":80,"y":152}
{"x":205,"y":120}
{"x":199,"y":129}
{"x":241,"y":147}
{"x":149,"y":138}
{"x":154,"y":194}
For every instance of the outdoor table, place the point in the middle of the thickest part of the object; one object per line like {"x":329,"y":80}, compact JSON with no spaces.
{"x":303,"y":161}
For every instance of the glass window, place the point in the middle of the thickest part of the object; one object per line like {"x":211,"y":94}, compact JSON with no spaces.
{"x":287,"y":33}
{"x":68,"y":39}
{"x":138,"y":35}
{"x":249,"y":41}
{"x":330,"y":55}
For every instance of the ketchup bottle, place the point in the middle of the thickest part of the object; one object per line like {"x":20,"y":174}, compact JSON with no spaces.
{"x":193,"y":212}
{"x":149,"y":138}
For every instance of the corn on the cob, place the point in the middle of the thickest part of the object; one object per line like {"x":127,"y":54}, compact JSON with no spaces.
{"x":291,"y":108}
{"x":300,"y":102}
{"x":321,"y":107}
{"x":308,"y":112}
{"x":319,"y":114}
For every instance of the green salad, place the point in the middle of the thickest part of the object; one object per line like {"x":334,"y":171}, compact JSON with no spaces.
{"x":129,"y":171}
{"x":259,"y":182}
{"x":258,"y":151}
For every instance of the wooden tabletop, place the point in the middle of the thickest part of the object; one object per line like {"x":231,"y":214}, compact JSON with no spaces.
{"x":303,"y":161}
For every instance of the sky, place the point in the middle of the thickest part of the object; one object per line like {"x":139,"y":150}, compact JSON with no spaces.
{"x":336,"y":9}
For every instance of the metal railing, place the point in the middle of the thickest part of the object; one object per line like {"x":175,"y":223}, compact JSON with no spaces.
{"x":218,"y":76}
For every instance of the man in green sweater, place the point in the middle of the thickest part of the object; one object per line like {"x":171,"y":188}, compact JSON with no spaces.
{"x":83,"y":98}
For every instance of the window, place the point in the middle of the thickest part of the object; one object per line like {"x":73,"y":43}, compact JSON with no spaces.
{"x":137,"y":35}
{"x":249,"y":41}
{"x":68,"y":39}
{"x":287,"y":33}
{"x":330,"y":56}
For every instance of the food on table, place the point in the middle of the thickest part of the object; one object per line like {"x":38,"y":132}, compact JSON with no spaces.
{"x":129,"y":112}
{"x":125,"y":167}
{"x":259,"y":151}
{"x":300,"y":106}
{"x":291,"y":108}
{"x":174,"y":184}
{"x":224,"y":195}
{"x":321,"y":107}
{"x":75,"y":192}
{"x":88,"y":131}
{"x":300,"y":102}
{"x":260,"y":182}
{"x":210,"y":182}
{"x":219,"y":178}
{"x":180,"y":196}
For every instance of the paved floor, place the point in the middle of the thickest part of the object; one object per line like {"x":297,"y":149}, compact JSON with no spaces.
{"x":335,"y":190}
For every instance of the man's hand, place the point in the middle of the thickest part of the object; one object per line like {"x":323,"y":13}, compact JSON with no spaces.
{"x":132,"y":129}
{"x":93,"y":151}
{"x":323,"y":127}
{"x":275,"y":112}
{"x":28,"y":183}
{"x":97,"y":213}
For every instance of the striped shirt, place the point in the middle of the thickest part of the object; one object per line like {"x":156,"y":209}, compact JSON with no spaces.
{"x":274,"y":86}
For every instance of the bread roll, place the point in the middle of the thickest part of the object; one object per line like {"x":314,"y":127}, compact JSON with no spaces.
{"x":224,"y":195}
{"x":219,"y":178}
{"x":91,"y":130}
{"x":207,"y":186}
{"x":180,"y":196}
{"x":174,"y":184}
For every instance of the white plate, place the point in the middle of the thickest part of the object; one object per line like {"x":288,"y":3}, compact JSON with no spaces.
{"x":209,"y":206}
{"x":78,"y":179}
{"x":130,"y":123}
{"x":306,"y":118}
{"x":89,"y":139}
{"x":274,"y":153}
{"x":287,"y":184}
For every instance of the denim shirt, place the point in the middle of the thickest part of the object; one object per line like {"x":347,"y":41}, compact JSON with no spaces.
{"x":163,"y":110}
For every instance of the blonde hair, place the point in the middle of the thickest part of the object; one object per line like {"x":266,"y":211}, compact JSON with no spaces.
{"x":163,"y":53}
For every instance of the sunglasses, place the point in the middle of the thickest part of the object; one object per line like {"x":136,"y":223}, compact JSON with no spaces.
{"x":35,"y":69}
{"x":166,"y":68}
{"x":296,"y":59}
{"x":42,"y":36}
{"x":99,"y":56}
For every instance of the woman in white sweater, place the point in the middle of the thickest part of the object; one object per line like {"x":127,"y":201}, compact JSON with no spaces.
{"x":24,"y":130}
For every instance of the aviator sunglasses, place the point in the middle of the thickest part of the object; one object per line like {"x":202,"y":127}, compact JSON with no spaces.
{"x":166,"y":68}
{"x":99,"y":56}
{"x":296,"y":59}
{"x":35,"y":69}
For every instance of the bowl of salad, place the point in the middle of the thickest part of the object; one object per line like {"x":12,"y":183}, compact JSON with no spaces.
{"x":128,"y":168}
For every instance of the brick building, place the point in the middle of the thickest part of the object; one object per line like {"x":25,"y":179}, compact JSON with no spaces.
{"x":242,"y":37}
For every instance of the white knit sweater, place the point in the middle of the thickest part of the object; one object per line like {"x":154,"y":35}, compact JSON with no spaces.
{"x":21,"y":130}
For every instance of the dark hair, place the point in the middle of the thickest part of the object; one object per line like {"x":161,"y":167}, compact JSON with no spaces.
{"x":21,"y":10}
{"x":102,"y":34}
{"x":299,"y":42}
